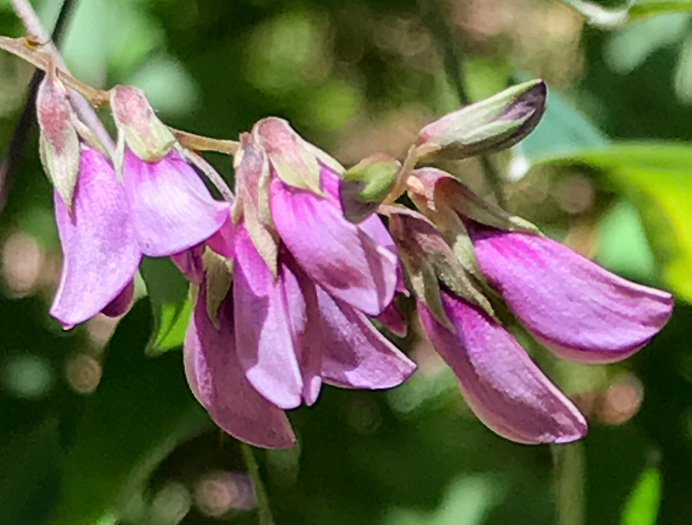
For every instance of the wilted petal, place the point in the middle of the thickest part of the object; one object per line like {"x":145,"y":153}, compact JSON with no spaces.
{"x":100,"y":252}
{"x":219,"y":384}
{"x":338,"y":255}
{"x":577,"y":308}
{"x":190,"y":264}
{"x":500,"y":383}
{"x":121,"y":303}
{"x":263,"y":325}
{"x":172,"y":209}
{"x":355,"y":354}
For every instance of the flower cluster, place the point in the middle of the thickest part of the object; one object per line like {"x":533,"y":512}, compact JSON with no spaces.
{"x":287,"y":274}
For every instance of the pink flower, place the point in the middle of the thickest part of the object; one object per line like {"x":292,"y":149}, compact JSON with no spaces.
{"x":573,"y":306}
{"x":304,"y":279}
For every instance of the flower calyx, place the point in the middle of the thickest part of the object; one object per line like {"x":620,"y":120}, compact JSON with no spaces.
{"x":366,"y":185}
{"x":295,"y":161}
{"x":138,"y":126}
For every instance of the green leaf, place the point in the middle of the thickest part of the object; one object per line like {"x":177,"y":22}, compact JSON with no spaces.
{"x":656,"y":179}
{"x":643,"y":503}
{"x":605,"y":18}
{"x":168,"y":291}
{"x":140,"y":411}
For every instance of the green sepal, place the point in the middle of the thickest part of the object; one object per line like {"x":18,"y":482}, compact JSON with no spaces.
{"x":438,"y":189}
{"x":253,"y":176}
{"x":486,"y":126}
{"x":365,"y":186}
{"x":143,"y":132}
{"x":428,"y":260}
{"x":58,"y":140}
{"x":218,"y":272}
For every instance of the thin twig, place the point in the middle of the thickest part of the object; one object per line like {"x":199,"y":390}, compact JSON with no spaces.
{"x":26,"y":118}
{"x":86,"y":113}
{"x":214,"y":177}
{"x":436,"y":19}
{"x":264,"y":511}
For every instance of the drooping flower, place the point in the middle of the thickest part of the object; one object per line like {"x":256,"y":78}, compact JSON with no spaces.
{"x":172,"y":210}
{"x":578,"y":309}
{"x":304,"y":279}
{"x":100,"y":253}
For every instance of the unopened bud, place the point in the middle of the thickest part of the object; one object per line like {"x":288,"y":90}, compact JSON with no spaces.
{"x":490,"y":125}
{"x":58,"y":140}
{"x":143,"y":132}
{"x":366,"y":185}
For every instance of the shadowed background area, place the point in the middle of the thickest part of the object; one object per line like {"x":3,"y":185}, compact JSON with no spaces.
{"x":97,"y":424}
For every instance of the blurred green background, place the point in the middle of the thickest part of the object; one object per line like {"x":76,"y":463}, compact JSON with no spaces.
{"x":97,"y":428}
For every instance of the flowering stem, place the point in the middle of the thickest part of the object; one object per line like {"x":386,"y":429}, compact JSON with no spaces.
{"x":434,"y":16}
{"x":201,"y":143}
{"x":86,"y":112}
{"x":402,"y":176}
{"x":569,"y":468}
{"x":264,"y":511}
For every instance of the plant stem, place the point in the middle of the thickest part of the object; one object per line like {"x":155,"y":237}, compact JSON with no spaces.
{"x":264,"y":511}
{"x":569,"y":469}
{"x":435,"y":17}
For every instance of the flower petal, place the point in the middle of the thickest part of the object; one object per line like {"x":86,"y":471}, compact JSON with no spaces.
{"x":263,"y":325}
{"x":500,"y":383}
{"x":336,"y":254}
{"x":222,"y":241}
{"x":219,"y":384}
{"x":190,"y":264}
{"x":172,"y":209}
{"x":393,"y":320}
{"x":100,"y":252}
{"x":578,"y":309}
{"x":355,"y":354}
{"x":122,"y":302}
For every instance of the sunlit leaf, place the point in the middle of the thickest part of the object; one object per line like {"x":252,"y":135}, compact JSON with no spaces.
{"x":642,"y":505}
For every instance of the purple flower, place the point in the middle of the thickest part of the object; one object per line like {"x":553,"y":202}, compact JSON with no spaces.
{"x":570,"y":304}
{"x":100,"y":252}
{"x":304,"y":279}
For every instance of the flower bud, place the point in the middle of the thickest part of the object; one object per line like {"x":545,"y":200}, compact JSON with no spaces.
{"x":58,"y":140}
{"x":140,"y":128}
{"x":365,"y":185}
{"x":490,"y":125}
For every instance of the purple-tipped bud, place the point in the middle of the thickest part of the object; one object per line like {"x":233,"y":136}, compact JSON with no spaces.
{"x":58,"y":139}
{"x":140,"y":128}
{"x":490,"y":125}
{"x":366,"y":185}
